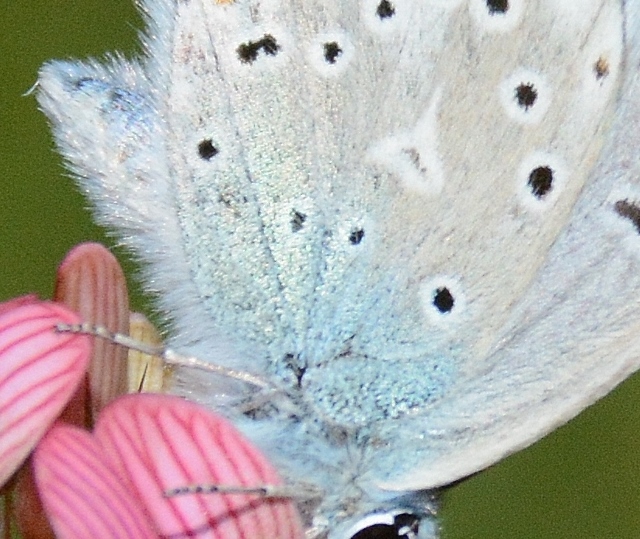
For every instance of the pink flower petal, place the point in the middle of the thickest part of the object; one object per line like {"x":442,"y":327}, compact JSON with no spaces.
{"x":83,"y":496}
{"x":17,"y":302}
{"x":161,"y":442}
{"x":91,"y":282}
{"x":39,"y":371}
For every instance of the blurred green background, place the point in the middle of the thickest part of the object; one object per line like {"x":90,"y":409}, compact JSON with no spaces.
{"x":581,"y":482}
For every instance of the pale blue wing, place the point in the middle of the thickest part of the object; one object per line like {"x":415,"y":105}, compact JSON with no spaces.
{"x":371,"y":204}
{"x":568,"y":341}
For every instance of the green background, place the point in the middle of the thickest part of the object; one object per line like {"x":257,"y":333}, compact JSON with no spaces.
{"x":581,"y":482}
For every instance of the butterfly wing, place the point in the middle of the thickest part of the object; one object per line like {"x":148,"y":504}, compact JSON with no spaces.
{"x":571,"y":338}
{"x":364,"y":201}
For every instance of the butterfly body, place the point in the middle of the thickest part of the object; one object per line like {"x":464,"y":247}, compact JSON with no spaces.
{"x":393,"y":212}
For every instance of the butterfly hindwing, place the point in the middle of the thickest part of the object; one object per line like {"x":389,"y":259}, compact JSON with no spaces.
{"x":393,"y":212}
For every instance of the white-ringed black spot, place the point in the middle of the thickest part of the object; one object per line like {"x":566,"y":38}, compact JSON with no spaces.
{"x":601,"y":68}
{"x":497,"y":16}
{"x":540,"y":181}
{"x":385,"y":10}
{"x":355,"y":237}
{"x":248,"y":52}
{"x":526,"y":95}
{"x":443,"y":300}
{"x":497,"y":6}
{"x":628,"y":210}
{"x":332,"y":51}
{"x":206,"y":149}
{"x":297,"y":220}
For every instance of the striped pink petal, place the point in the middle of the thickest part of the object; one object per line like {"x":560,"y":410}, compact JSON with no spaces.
{"x":161,"y":442}
{"x":17,"y":302}
{"x":39,"y":371}
{"x":83,"y":496}
{"x":91,"y":282}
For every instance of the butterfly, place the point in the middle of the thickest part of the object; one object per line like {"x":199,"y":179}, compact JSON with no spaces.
{"x":416,"y":222}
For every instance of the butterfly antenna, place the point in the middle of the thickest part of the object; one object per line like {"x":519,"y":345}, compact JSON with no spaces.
{"x":171,"y":357}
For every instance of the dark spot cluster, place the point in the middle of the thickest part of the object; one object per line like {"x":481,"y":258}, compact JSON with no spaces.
{"x":601,"y":68}
{"x":356,"y":236}
{"x":541,"y":181}
{"x":332,"y":51}
{"x":297,"y":220}
{"x":268,"y":45}
{"x":497,"y":7}
{"x":415,"y":159}
{"x":443,"y":300}
{"x":248,"y":52}
{"x":292,"y":361}
{"x":207,"y":150}
{"x":385,"y":10}
{"x":526,"y":95}
{"x":629,"y":210}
